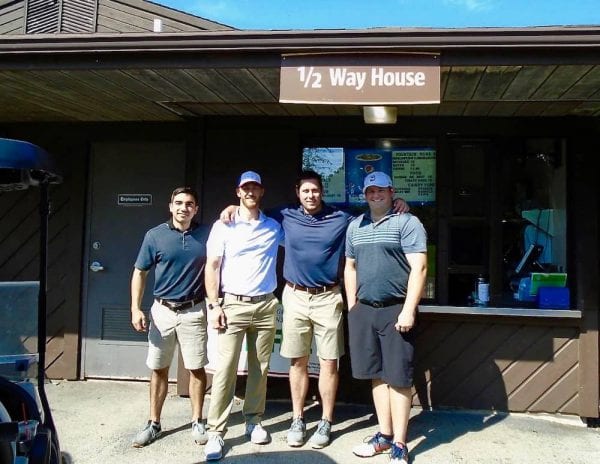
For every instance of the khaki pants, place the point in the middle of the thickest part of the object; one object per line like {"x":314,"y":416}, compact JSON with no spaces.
{"x":256,"y":321}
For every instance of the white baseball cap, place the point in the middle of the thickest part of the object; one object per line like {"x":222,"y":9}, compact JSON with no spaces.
{"x":377,"y":179}
{"x":249,"y":176}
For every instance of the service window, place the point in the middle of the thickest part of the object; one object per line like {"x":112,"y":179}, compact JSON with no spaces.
{"x":494,"y":210}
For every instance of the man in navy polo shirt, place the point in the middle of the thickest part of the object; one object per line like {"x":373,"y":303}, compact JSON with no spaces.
{"x":177,"y":251}
{"x":312,"y":301}
{"x":384,"y":277}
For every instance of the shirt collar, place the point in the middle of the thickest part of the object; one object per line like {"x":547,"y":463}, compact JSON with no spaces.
{"x":239,"y":218}
{"x":325,"y":210}
{"x":387,"y":215}
{"x":193,"y":225}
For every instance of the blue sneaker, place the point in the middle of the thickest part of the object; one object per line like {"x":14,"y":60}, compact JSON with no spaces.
{"x":377,"y":444}
{"x":399,"y":454}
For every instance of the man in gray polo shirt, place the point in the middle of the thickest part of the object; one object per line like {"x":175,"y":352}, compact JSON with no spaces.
{"x":177,"y":251}
{"x":384,"y":277}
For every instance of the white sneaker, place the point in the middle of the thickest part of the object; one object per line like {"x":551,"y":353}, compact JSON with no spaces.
{"x":214,"y":448}
{"x":257,"y":434}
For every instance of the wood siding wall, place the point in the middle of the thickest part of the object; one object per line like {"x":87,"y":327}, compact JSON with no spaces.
{"x":109,"y":16}
{"x":12,"y":17}
{"x":497,"y":364}
{"x":19,"y":253}
{"x":138,"y":16}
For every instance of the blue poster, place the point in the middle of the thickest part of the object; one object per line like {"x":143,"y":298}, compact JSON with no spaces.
{"x":359,"y":163}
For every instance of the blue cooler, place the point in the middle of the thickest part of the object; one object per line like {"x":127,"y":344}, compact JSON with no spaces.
{"x":553,"y":298}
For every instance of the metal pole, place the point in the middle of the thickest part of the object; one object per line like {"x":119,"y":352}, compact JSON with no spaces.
{"x":43,"y":271}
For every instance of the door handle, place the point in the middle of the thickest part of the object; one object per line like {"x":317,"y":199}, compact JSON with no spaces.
{"x":96,"y":267}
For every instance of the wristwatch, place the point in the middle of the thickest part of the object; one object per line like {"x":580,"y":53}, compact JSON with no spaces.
{"x":214,"y":305}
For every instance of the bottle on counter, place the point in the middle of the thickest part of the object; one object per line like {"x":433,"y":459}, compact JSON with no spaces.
{"x":482,"y":291}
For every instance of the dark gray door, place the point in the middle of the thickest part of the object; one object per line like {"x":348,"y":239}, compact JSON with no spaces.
{"x":130,"y":186}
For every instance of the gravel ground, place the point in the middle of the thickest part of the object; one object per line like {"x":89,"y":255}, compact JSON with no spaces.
{"x":96,"y":421}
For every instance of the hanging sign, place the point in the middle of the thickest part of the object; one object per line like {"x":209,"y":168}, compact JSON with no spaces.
{"x":360,"y":79}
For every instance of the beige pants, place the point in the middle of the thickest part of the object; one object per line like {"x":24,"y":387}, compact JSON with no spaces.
{"x":256,"y":321}
{"x":167,"y":328}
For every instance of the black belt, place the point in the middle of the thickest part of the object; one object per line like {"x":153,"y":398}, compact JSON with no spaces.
{"x":383,"y":303}
{"x":312,"y":290}
{"x":179,"y":305}
{"x":251,"y":299}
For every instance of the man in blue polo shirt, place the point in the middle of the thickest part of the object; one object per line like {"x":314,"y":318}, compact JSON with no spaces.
{"x":384,"y":277}
{"x":312,"y":301}
{"x":242,"y":258}
{"x":177,"y":251}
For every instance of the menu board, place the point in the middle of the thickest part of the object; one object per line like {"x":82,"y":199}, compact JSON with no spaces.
{"x":413,"y":172}
{"x":413,"y":175}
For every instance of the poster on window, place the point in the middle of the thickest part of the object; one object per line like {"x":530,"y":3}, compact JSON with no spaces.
{"x":329,"y":162}
{"x":359,"y":163}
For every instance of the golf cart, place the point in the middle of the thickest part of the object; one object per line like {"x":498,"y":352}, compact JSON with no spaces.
{"x":27,"y":431}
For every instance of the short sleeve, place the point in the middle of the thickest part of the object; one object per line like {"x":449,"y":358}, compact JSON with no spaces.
{"x":146,"y":257}
{"x":414,"y":236}
{"x":215,"y":245}
{"x":349,"y":244}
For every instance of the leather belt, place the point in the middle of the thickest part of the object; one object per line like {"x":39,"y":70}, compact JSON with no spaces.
{"x":178,"y":305}
{"x":312,"y":290}
{"x":250,"y":299}
{"x":383,"y":303}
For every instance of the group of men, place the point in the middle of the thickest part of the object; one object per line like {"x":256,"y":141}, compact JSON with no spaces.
{"x":227,"y":278}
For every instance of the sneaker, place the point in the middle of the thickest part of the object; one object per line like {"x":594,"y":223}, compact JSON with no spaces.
{"x":199,"y":432}
{"x":297,"y":432}
{"x":257,"y":434}
{"x":147,"y":435}
{"x":214,"y":448}
{"x":376,"y":445}
{"x":322,"y":435}
{"x":399,"y":454}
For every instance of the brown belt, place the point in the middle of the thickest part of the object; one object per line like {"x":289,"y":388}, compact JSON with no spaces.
{"x":312,"y":290}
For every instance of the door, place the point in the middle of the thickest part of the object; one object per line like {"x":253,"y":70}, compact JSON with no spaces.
{"x":130,"y":188}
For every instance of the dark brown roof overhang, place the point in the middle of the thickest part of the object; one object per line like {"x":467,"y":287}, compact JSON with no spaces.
{"x":577,"y":44}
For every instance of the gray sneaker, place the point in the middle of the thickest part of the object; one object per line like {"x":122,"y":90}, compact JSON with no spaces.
{"x":199,"y":433}
{"x":297,"y":432}
{"x":322,"y":435}
{"x":147,"y":435}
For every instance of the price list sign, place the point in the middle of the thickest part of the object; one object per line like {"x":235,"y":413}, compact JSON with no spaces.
{"x":413,"y":174}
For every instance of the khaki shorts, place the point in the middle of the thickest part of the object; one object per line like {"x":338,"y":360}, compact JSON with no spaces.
{"x":167,"y":328}
{"x":305,"y":315}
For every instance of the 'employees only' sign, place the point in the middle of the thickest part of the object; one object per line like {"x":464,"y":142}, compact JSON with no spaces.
{"x":362,"y":79}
